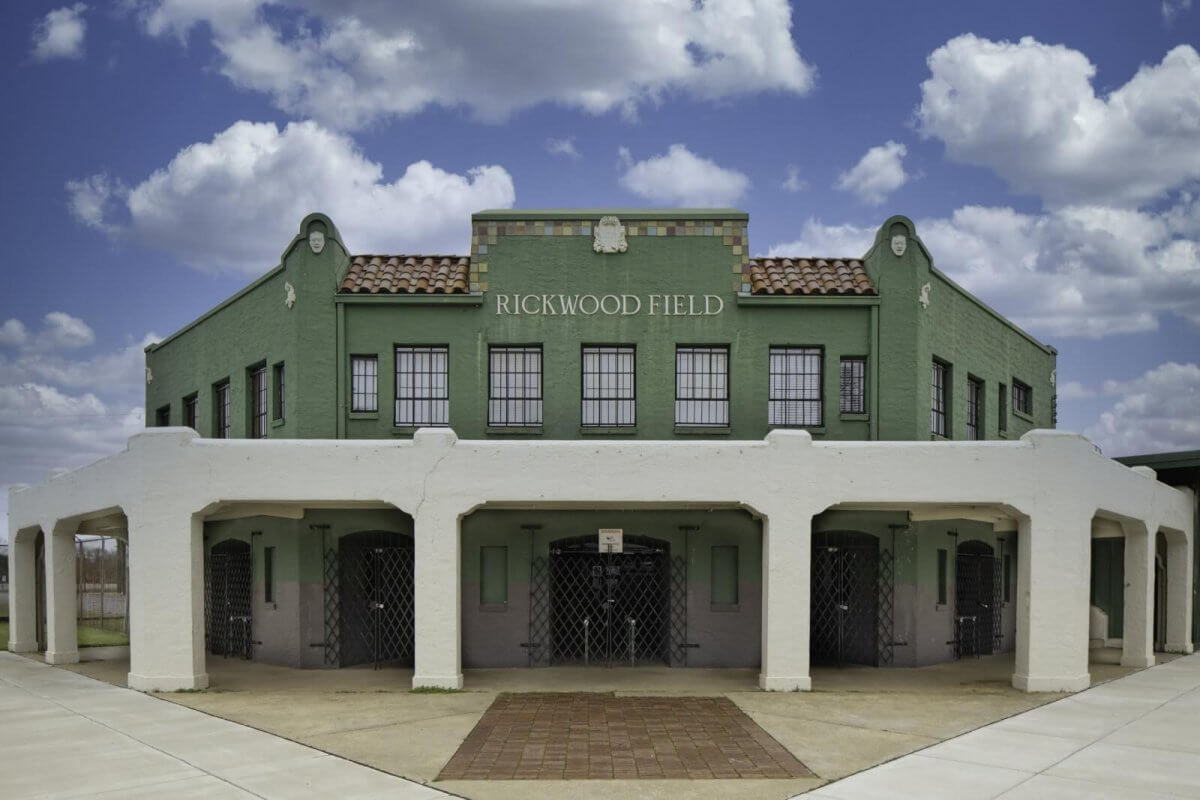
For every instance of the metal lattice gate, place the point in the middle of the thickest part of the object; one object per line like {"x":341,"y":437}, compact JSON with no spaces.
{"x":976,"y":609}
{"x":229,"y":624}
{"x":885,"y":639}
{"x":539,"y":612}
{"x":679,"y":612}
{"x":609,"y":608}
{"x":845,"y":626}
{"x":375,"y":604}
{"x":333,"y":599}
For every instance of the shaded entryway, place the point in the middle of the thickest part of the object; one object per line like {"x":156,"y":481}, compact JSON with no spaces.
{"x":374,"y":591}
{"x":977,"y":600}
{"x":228,"y":613}
{"x":846,"y":591}
{"x":609,"y":608}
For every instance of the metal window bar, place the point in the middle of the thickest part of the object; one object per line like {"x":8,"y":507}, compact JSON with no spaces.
{"x":608,"y":392}
{"x":224,"y":417}
{"x":258,"y":399}
{"x":702,"y":386}
{"x":854,"y":386}
{"x":938,"y":399}
{"x":794,"y":393}
{"x":974,"y":391}
{"x":1022,"y":398}
{"x":364,"y":383}
{"x":515,"y":386}
{"x":422,"y":386}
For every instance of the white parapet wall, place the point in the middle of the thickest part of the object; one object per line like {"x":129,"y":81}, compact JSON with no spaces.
{"x":1049,"y":485}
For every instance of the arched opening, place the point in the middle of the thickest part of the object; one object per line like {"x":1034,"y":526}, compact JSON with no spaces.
{"x":375,"y":598}
{"x":977,"y":600}
{"x":844,"y":624}
{"x":610,"y":608}
{"x":228,"y":611}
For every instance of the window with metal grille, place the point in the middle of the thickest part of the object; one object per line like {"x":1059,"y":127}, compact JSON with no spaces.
{"x":162,"y":417}
{"x":937,"y":422}
{"x":854,"y":386}
{"x":279,"y":391}
{"x":609,"y":384}
{"x":723,"y":586}
{"x":1002,"y":405}
{"x":1022,"y":397}
{"x":974,"y":408}
{"x":702,"y":386}
{"x":515,"y":386}
{"x":794,"y":394}
{"x":422,"y":386}
{"x":258,"y":402}
{"x":189,"y":412}
{"x":222,"y":418}
{"x":364,"y":383}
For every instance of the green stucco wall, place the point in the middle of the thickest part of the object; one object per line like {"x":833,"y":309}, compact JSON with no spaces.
{"x":515,"y":253}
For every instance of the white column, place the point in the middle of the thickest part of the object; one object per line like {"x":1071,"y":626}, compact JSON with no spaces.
{"x":1054,"y":570}
{"x":787,"y":571}
{"x":438,"y":630}
{"x":1179,"y":592}
{"x":62,"y":646}
{"x":166,"y":590}
{"x":1138,"y":647}
{"x":22,"y":591}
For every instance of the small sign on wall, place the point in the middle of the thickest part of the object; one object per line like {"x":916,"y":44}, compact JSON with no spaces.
{"x":612,"y":540}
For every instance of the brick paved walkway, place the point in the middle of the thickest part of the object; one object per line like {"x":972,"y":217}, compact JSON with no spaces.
{"x":594,"y":735}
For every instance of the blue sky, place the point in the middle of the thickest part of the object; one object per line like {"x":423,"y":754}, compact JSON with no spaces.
{"x":162,"y":151}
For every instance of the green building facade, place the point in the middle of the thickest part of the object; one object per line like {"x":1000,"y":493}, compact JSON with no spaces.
{"x":608,"y":323}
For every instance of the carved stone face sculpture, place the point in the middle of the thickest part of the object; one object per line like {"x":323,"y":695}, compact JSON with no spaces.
{"x":899,"y":244}
{"x":316,"y":240}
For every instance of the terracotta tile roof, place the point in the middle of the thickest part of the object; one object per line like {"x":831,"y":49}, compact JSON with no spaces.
{"x":807,"y":276}
{"x":408,"y":275}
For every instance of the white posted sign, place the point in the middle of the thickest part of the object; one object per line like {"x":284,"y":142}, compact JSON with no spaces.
{"x":611,"y":540}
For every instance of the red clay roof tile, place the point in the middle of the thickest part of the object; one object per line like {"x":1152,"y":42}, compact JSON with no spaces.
{"x":407,"y":275}
{"x":808,"y":276}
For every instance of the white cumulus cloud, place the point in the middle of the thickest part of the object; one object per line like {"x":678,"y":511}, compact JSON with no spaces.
{"x":792,"y":182}
{"x":60,"y":33}
{"x":1076,"y":271}
{"x":680,"y":177}
{"x":232,"y":203}
{"x":877,"y":174}
{"x":562,"y":147}
{"x":350,"y":63}
{"x":1173,"y":8}
{"x":1029,"y":112}
{"x":1156,"y":412}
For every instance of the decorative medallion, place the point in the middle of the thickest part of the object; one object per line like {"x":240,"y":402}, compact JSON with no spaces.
{"x":149,"y":375}
{"x":316,"y":240}
{"x":289,"y":292}
{"x":1053,"y":377}
{"x":924,"y":298}
{"x":610,"y":236}
{"x":899,"y":244}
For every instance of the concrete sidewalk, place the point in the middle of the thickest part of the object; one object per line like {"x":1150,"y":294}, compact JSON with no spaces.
{"x":1136,"y":737}
{"x":64,"y":735}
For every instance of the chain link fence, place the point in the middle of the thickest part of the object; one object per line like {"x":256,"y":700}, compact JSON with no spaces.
{"x":102,"y":583}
